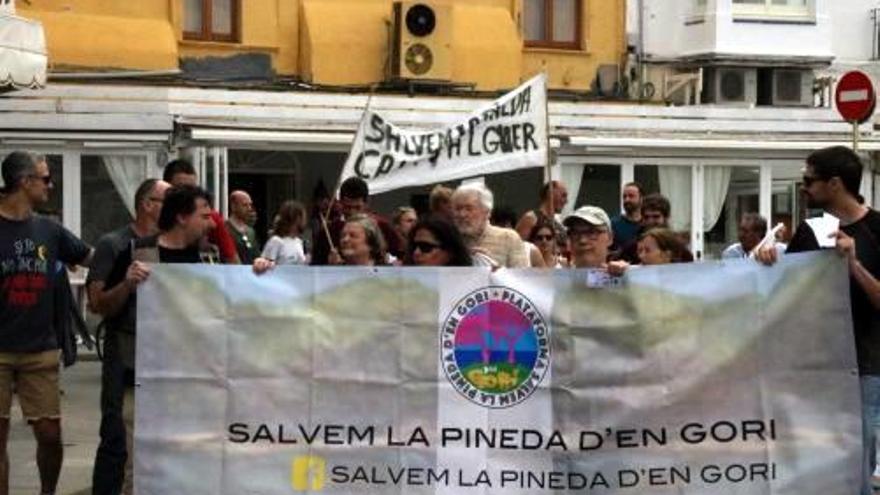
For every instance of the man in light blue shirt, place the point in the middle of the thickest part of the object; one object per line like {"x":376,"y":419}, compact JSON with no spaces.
{"x":752,"y":229}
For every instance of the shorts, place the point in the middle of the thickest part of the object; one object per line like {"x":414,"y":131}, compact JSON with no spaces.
{"x":35,"y":378}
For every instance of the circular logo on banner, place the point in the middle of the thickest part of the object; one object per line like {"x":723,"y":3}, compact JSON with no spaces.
{"x":495,"y":347}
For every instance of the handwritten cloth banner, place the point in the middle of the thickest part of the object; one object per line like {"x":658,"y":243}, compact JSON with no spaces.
{"x":508,"y":134}
{"x":723,"y":378}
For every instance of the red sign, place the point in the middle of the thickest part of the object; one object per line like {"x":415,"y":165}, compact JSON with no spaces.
{"x":855,"y":97}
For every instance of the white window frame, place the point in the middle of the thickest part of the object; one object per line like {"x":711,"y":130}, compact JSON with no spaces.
{"x":769,"y":10}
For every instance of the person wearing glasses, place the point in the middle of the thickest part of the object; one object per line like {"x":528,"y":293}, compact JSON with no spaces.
{"x":436,"y":242}
{"x":831,"y":182}
{"x":493,"y":246}
{"x":110,"y":297}
{"x":590,"y":234}
{"x":30,"y":247}
{"x":544,"y":237}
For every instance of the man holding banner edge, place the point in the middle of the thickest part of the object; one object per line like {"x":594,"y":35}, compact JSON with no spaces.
{"x":831,"y":181}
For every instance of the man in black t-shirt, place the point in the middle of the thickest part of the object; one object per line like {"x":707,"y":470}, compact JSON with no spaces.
{"x":30,"y":247}
{"x":109,"y":297}
{"x":184,"y":220}
{"x":831,"y":182}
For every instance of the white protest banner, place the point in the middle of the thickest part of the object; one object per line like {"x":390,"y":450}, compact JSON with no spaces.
{"x":722,"y":378}
{"x":508,"y":134}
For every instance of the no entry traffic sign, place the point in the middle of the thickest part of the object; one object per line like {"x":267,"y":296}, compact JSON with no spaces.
{"x":855,"y":97}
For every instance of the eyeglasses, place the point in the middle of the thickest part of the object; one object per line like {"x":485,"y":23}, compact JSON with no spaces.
{"x":590,"y":233}
{"x":543,"y":238}
{"x":425,"y":247}
{"x":47,"y":179}
{"x":809,"y":180}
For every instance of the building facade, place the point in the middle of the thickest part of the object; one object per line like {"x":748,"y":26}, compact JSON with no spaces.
{"x":265,"y":95}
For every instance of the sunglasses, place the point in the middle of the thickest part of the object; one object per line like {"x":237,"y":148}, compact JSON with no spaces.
{"x":425,"y":247}
{"x":809,"y":180}
{"x":542,"y":238}
{"x":47,"y":179}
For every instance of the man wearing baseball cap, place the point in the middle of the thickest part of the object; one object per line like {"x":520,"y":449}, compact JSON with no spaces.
{"x":589,"y":231}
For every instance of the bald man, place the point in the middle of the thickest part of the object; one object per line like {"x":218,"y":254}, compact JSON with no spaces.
{"x":110,"y":295}
{"x":242,"y":216}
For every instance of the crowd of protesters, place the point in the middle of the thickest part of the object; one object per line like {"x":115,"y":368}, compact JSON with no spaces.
{"x":174,"y":223}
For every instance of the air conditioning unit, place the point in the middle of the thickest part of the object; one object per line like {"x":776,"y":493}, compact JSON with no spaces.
{"x":422,"y":41}
{"x":732,"y":85}
{"x":792,"y":88}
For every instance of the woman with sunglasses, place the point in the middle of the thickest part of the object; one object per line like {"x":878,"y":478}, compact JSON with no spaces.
{"x":436,"y":242}
{"x":544,"y":237}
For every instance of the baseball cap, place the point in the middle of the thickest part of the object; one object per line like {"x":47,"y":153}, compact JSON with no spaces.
{"x":592,"y":215}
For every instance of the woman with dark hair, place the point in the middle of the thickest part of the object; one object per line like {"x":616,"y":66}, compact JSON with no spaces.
{"x":361,"y":243}
{"x":436,"y":242}
{"x":543,"y":236}
{"x":285,"y":247}
{"x":659,"y":246}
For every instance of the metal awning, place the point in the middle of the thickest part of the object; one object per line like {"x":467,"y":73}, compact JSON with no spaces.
{"x":23,"y":58}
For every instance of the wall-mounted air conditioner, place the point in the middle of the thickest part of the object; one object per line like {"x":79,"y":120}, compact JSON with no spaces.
{"x":792,"y":87}
{"x":731,"y":85}
{"x":421,"y":47}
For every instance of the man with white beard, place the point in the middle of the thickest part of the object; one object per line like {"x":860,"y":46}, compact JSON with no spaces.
{"x":494,"y":246}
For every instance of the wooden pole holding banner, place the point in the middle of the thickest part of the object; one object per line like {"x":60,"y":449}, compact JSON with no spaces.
{"x":339,"y":180}
{"x":550,"y":188}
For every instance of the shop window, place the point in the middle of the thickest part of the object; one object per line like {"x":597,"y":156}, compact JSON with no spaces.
{"x":553,"y":23}
{"x":211,"y":20}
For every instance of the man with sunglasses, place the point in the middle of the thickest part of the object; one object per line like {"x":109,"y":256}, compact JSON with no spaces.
{"x":110,"y":297}
{"x":30,"y":248}
{"x":831,"y":182}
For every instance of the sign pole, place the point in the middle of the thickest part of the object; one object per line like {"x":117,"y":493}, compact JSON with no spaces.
{"x":855,"y":136}
{"x":324,"y":216}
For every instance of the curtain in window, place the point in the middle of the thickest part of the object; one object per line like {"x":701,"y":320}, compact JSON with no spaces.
{"x":715,"y":184}
{"x":675,"y":184}
{"x":127,"y":172}
{"x":571,"y":176}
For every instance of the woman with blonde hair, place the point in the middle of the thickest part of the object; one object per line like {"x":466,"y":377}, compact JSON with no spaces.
{"x":285,"y":247}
